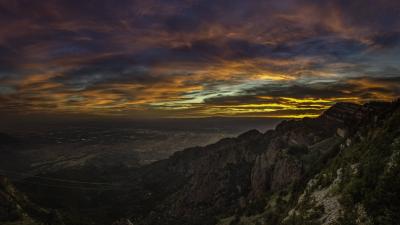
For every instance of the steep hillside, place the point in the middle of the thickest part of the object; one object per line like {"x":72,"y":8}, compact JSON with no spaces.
{"x":361,"y":185}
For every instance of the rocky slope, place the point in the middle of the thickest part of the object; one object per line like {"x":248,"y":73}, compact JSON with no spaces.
{"x":361,"y":184}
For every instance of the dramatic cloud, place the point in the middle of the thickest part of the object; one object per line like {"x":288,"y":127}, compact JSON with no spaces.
{"x":189,"y":58}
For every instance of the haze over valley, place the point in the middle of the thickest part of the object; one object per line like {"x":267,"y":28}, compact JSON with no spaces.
{"x":44,"y":146}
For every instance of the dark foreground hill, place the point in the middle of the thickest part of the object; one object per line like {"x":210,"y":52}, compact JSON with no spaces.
{"x":339,"y":168}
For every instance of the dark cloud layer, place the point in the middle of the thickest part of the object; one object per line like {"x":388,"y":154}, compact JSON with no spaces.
{"x":288,"y":58}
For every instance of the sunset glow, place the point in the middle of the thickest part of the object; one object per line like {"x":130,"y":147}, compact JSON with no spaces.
{"x":196,"y":58}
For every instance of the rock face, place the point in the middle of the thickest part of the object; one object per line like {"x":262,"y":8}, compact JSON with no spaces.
{"x":221,"y":179}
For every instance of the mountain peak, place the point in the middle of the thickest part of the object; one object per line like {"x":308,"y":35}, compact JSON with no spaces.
{"x":250,"y":134}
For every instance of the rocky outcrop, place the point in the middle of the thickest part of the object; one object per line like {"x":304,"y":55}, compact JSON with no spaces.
{"x":286,"y":171}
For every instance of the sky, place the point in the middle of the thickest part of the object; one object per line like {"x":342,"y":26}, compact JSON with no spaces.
{"x":196,"y":58}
